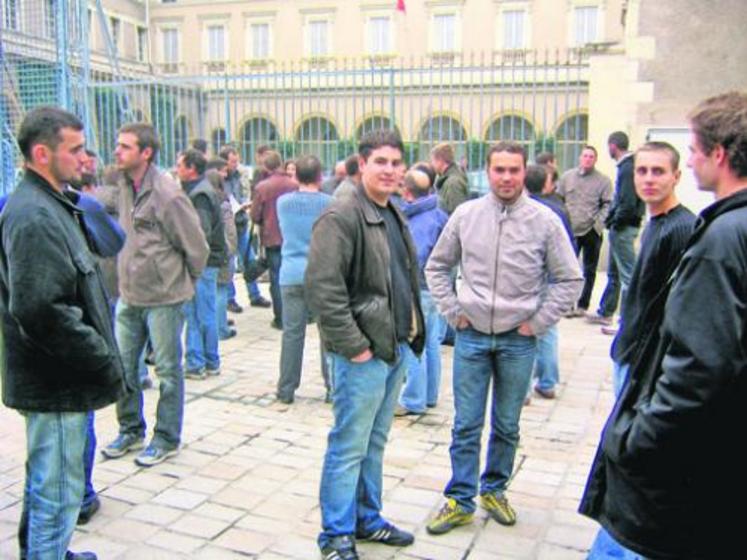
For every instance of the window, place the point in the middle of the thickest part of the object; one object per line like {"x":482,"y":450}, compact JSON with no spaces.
{"x":10,"y":14}
{"x":318,"y":37}
{"x":50,"y":19}
{"x":170,"y":52}
{"x":444,"y":33}
{"x":585,"y":25}
{"x":115,"y":27}
{"x":379,"y":35}
{"x":260,"y":40}
{"x":142,"y":44}
{"x":216,"y":42}
{"x":513,"y":29}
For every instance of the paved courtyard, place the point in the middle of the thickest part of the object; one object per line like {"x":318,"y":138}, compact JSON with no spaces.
{"x":245,"y":483}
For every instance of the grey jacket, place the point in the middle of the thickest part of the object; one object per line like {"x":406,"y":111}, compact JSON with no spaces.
{"x":517,"y":265}
{"x":166,"y":251}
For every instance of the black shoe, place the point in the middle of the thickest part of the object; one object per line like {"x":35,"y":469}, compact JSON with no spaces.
{"x":230,"y":322}
{"x":80,"y":556}
{"x":234,"y":307}
{"x":340,"y":548}
{"x":146,"y":383}
{"x":285,"y":400}
{"x":260,"y":302}
{"x":388,"y":534}
{"x":275,"y":324}
{"x":230,"y":334}
{"x":88,"y":511}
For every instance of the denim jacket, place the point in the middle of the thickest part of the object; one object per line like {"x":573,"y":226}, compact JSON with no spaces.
{"x":59,"y":350}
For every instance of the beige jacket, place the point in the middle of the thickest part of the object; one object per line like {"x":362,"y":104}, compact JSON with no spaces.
{"x":166,"y":250}
{"x":517,"y":265}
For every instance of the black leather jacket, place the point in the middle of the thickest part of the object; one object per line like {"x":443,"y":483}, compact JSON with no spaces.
{"x":348,"y":284}
{"x":59,"y":353}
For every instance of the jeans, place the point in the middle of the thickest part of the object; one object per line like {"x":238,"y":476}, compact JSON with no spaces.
{"x":424,"y":374}
{"x":619,"y":376}
{"x":164,"y":325}
{"x":273,"y":259}
{"x":607,"y":548}
{"x":588,"y":244}
{"x":89,"y":454}
{"x":619,"y":269}
{"x":295,"y":316}
{"x":202,"y":326}
{"x":54,"y":483}
{"x":363,"y":397}
{"x":546,"y":364}
{"x":507,"y":360}
{"x":221,"y":311}
{"x":245,"y":253}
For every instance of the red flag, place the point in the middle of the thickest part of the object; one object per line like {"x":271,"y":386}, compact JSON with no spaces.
{"x":401,"y":6}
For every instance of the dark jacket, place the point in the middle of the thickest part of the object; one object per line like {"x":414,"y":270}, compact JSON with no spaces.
{"x":627,"y":209}
{"x":348,"y":283}
{"x":59,"y":351}
{"x":264,"y":210}
{"x":207,"y":203}
{"x":426,"y":222}
{"x":452,"y":188}
{"x":670,"y":470}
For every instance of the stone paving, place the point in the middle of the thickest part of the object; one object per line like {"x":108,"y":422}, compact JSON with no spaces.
{"x":246,"y":481}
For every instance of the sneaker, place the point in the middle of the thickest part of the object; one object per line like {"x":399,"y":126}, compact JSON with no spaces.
{"x":498,"y":508}
{"x":122,"y":445}
{"x":87,"y":511}
{"x":154,"y":455}
{"x":597,"y":319}
{"x":234,"y":307}
{"x":576,"y":312}
{"x":285,"y":400}
{"x":230,"y":322}
{"x":388,"y":534}
{"x":195,"y":374}
{"x":610,"y":331}
{"x":212,"y":371}
{"x":340,"y":548}
{"x":544,"y":393}
{"x":230,"y":333}
{"x":402,"y":411}
{"x":451,"y":515}
{"x":260,"y":302}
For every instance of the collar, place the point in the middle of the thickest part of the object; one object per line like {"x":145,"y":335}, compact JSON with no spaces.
{"x":509,"y":208}
{"x":626,"y":156}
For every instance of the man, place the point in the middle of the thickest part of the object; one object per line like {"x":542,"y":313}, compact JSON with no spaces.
{"x":425,"y":221}
{"x":669,"y":473}
{"x":452,"y":186}
{"x":264,"y":214}
{"x":202,"y":357}
{"x":362,"y":283}
{"x":587,"y":195}
{"x":236,"y":187}
{"x":201,"y":145}
{"x":330,"y":185}
{"x":624,"y":222}
{"x":539,"y":184}
{"x":520,"y":275}
{"x":164,"y":255}
{"x":60,"y":359}
{"x":349,"y":184}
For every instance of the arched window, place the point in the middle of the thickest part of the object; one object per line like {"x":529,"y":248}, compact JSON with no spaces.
{"x":256,"y":132}
{"x":442,"y":129}
{"x":218,"y":139}
{"x":374,"y":123}
{"x":181,"y":134}
{"x":571,"y":135}
{"x":513,"y":128}
{"x":318,"y":136}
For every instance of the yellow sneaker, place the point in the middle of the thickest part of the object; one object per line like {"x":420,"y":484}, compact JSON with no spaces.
{"x":498,"y":508}
{"x":451,"y":515}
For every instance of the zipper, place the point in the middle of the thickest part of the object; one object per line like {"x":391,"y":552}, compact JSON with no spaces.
{"x":503,"y":215}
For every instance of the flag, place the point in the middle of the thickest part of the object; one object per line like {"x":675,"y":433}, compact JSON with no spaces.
{"x":401,"y":6}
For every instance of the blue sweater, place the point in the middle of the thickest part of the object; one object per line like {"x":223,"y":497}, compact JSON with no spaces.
{"x":297,"y":212}
{"x":426,"y":221}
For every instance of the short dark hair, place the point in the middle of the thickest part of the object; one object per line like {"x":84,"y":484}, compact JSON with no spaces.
{"x":506,"y":146}
{"x":200,"y":145}
{"x":226,"y":151}
{"x":216,"y":163}
{"x":146,"y":136}
{"x":590,"y":147}
{"x":351,"y":165}
{"x":658,"y":146}
{"x":426,"y":168}
{"x":195,"y":159}
{"x":262,"y":149}
{"x":215,"y":180}
{"x":535,"y":178}
{"x":722,"y":121}
{"x":43,"y":126}
{"x":272,"y":160}
{"x":308,"y":170}
{"x":379,"y":138}
{"x":619,"y":139}
{"x":544,"y":158}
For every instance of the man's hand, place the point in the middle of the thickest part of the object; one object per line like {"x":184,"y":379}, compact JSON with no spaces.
{"x":362,"y":357}
{"x":525,"y":329}
{"x":462,"y":323}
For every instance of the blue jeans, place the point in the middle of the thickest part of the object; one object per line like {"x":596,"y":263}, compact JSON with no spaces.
{"x":89,"y":454}
{"x":273,"y":260}
{"x":619,"y":269}
{"x":546,"y":363}
{"x":295,"y":317}
{"x":607,"y":548}
{"x":424,"y":373}
{"x":245,"y":253}
{"x":54,"y":483}
{"x":202,"y":325}
{"x":164,"y":325}
{"x":221,"y":310}
{"x":507,"y":360}
{"x":619,"y":376}
{"x":363,"y":396}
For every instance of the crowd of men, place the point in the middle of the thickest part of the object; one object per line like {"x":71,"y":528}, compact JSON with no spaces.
{"x":95,"y":281}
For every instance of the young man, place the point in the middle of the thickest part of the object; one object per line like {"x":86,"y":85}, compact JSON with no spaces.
{"x":60,"y":360}
{"x":163,"y":257}
{"x":362,"y":283}
{"x":520,"y":275}
{"x":452,"y":186}
{"x":669,"y":471}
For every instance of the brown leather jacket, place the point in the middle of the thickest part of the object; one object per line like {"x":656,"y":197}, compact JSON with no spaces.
{"x":348,"y":284}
